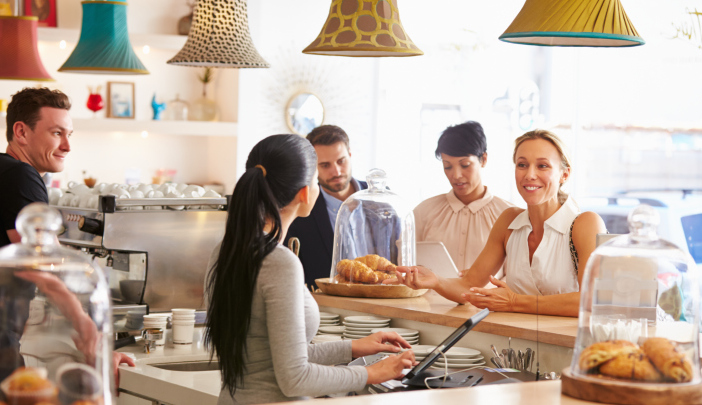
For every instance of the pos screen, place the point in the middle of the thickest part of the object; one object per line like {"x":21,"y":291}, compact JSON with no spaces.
{"x":444,"y":346}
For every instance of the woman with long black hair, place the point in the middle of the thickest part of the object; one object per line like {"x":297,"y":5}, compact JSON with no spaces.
{"x":261,"y":317}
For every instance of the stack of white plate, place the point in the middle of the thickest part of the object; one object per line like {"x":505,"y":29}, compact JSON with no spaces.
{"x":332,"y":330}
{"x":460,"y":357}
{"x":410,"y":335}
{"x":421,"y":351}
{"x":325,"y":338}
{"x":329,"y":319}
{"x":361,"y":326}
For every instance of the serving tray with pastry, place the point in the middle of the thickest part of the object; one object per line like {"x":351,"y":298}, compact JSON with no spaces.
{"x":373,"y":234}
{"x":638,"y":335}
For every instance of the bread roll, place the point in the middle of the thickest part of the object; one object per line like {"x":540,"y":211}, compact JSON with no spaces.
{"x":665,"y":356}
{"x":356,"y":272}
{"x":601,"y":352}
{"x":632,"y":366}
{"x":376,"y":262}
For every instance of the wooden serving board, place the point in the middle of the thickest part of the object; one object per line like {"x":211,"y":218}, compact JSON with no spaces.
{"x":611,"y":391}
{"x":367,"y":290}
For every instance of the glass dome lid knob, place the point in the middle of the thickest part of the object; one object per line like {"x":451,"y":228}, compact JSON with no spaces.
{"x":38,"y":224}
{"x":643,"y":223}
{"x":377,"y":180}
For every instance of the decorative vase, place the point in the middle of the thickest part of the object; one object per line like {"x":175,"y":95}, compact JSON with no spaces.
{"x":177,"y":110}
{"x":203,"y":109}
{"x":95,"y":102}
{"x":184,"y":24}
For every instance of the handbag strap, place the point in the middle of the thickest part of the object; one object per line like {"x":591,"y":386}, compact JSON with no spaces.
{"x":573,"y":252}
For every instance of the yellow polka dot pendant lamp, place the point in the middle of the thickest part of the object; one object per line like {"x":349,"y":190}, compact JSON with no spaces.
{"x":594,"y":23}
{"x":219,"y":37}
{"x":363,"y":28}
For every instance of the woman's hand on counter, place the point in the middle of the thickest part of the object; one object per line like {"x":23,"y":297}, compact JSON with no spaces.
{"x":415,"y":277}
{"x":117,"y":359}
{"x":376,"y":343}
{"x":390,"y":368}
{"x":501,"y":298}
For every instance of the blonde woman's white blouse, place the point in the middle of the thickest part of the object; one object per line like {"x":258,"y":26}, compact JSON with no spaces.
{"x":551,"y":270}
{"x":464,"y":229}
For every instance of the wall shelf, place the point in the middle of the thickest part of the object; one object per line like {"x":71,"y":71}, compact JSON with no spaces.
{"x":178,"y":128}
{"x":156,"y":41}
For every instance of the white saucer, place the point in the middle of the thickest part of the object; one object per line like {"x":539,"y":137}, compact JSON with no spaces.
{"x":332,"y":329}
{"x":367,"y":320}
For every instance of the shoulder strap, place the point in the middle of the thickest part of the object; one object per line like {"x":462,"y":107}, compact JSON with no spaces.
{"x":573,"y":252}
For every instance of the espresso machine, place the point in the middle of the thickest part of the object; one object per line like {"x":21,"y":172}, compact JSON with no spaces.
{"x":154,"y":250}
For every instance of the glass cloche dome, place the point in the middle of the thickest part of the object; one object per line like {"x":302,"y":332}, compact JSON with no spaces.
{"x":374,"y":233}
{"x":639,"y":309}
{"x":55,"y":319}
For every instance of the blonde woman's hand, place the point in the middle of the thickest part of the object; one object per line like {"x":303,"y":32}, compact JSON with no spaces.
{"x":415,"y":277}
{"x":390,"y":368}
{"x":500,"y":299}
{"x":376,"y":343}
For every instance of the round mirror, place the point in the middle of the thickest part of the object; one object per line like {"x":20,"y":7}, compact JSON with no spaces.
{"x":304,"y":113}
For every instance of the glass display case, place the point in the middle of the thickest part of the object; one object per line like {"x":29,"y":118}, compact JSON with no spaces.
{"x":55,"y":319}
{"x":639,"y":310}
{"x":374,"y":233}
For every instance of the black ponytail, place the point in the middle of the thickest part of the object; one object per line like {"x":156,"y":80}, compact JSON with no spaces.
{"x":276,"y":169}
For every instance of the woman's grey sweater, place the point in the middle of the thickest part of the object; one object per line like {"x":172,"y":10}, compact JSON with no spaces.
{"x":281,"y":364}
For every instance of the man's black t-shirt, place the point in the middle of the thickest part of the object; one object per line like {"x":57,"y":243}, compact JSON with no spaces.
{"x":20,"y":185}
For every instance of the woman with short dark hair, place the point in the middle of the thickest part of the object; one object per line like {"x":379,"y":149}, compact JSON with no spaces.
{"x":261,"y":317}
{"x":463,"y":217}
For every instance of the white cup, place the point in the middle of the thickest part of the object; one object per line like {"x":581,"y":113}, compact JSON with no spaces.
{"x":55,"y":195}
{"x":65,"y":200}
{"x":194,"y":188}
{"x":183,"y":332}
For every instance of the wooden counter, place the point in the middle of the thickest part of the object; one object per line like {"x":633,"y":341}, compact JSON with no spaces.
{"x":434,"y":309}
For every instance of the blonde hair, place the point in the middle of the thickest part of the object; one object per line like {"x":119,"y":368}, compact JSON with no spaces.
{"x":557,"y":143}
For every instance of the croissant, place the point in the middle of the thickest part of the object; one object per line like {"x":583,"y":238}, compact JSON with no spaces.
{"x":665,"y":356}
{"x":633,"y":366}
{"x":376,"y":262}
{"x":356,"y":272}
{"x":601,"y":352}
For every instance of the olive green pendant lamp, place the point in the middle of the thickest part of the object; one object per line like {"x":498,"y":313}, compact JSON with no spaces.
{"x":593,"y":23}
{"x":104,"y":47}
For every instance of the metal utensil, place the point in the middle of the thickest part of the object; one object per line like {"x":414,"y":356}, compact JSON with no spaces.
{"x":512,"y":358}
{"x":505,"y":357}
{"x":494,"y":350}
{"x":529,"y":355}
{"x":495,"y":361}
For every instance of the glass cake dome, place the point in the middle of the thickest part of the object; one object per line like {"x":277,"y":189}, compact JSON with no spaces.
{"x":374,"y":233}
{"x":55,"y":319}
{"x":639,"y":309}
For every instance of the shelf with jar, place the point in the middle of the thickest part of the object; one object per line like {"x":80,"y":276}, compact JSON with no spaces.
{"x":156,"y":41}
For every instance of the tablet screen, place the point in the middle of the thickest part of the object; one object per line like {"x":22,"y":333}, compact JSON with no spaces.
{"x":447,"y":344}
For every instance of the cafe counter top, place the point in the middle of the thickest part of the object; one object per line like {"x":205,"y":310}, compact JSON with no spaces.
{"x":434,"y":309}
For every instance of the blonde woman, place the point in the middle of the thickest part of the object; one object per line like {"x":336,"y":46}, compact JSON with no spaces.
{"x":542,"y":248}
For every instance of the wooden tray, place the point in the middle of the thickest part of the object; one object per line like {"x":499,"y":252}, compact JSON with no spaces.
{"x":620,"y":392}
{"x":366,"y":290}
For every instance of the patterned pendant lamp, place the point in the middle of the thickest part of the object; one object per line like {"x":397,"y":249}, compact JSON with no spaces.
{"x":104,"y":47}
{"x":596,"y":23}
{"x":363,"y":28}
{"x":219,"y":37}
{"x":19,"y":56}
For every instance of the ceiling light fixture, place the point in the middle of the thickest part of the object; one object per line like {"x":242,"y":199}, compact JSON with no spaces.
{"x":104,"y":47}
{"x":363,"y":28}
{"x":19,"y":55}
{"x":219,"y":37}
{"x":595,"y":23}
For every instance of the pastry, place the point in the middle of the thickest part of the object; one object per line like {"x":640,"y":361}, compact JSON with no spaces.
{"x":356,"y":272}
{"x":665,"y":356}
{"x":376,"y":262}
{"x":598,"y":353}
{"x":28,"y":385}
{"x":632,"y":366}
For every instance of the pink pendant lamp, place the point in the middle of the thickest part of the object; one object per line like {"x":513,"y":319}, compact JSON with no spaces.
{"x":19,"y":55}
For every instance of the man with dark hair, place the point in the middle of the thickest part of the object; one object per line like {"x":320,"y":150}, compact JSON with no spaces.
{"x":316,"y":232}
{"x":38,"y":128}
